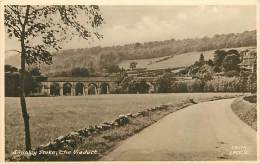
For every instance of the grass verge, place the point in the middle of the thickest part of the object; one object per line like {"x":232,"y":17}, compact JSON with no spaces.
{"x":246,"y":110}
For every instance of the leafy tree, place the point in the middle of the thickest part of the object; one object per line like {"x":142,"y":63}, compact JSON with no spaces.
{"x":131,"y":88}
{"x":252,"y":82}
{"x":113,"y":68}
{"x":42,"y":29}
{"x":11,"y":84}
{"x":142,"y":86}
{"x":210,"y":62}
{"x":79,"y":72}
{"x":219,"y":57}
{"x":217,"y":69}
{"x":201,"y":60}
{"x":133,"y":65}
{"x":92,"y":71}
{"x":243,"y":81}
{"x":35,"y":71}
{"x":231,"y":62}
{"x":207,"y":76}
{"x":30,"y":83}
{"x":9,"y":68}
{"x":164,"y":83}
{"x":138,"y":86}
{"x":232,"y":51}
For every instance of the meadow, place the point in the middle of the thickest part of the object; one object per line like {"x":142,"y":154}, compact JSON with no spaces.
{"x":51,"y":117}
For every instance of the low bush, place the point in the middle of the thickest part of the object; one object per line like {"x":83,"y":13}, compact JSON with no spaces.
{"x":251,"y":98}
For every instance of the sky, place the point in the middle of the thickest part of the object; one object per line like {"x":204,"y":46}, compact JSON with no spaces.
{"x":131,"y":24}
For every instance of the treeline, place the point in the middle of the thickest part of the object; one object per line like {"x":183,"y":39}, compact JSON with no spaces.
{"x":100,"y":57}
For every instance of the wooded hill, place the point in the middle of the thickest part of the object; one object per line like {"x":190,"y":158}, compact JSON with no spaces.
{"x":101,"y":57}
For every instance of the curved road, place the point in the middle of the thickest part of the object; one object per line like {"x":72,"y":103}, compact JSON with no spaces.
{"x":205,"y":131}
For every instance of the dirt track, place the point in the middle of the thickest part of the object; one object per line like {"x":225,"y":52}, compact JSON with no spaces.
{"x":205,"y":131}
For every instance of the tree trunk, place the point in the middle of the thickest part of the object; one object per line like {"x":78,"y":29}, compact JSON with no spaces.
{"x":22,"y":99}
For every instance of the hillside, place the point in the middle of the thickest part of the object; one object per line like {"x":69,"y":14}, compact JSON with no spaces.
{"x":185,"y":59}
{"x":101,"y":57}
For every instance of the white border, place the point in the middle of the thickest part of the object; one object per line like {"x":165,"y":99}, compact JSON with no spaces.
{"x":123,"y":2}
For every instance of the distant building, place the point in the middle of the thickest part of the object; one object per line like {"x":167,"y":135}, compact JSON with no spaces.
{"x":248,"y":60}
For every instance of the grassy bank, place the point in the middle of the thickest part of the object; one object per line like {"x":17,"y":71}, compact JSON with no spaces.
{"x":53,"y":117}
{"x":245,"y":109}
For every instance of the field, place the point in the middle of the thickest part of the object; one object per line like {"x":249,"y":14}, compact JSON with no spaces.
{"x":51,"y":117}
{"x":185,"y":59}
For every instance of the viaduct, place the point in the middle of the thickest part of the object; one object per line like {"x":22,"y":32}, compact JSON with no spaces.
{"x":81,"y":86}
{"x":75,"y":86}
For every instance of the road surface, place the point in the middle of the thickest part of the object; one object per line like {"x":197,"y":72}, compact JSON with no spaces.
{"x":205,"y":131}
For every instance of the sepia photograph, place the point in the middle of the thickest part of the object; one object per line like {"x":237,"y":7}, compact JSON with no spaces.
{"x":130,"y":82}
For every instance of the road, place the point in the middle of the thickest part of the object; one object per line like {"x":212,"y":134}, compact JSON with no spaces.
{"x":205,"y":131}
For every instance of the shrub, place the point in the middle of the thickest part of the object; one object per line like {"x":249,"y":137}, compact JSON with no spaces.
{"x":164,"y":84}
{"x":179,"y":87}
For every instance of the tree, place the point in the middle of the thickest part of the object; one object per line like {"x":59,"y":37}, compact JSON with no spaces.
{"x":232,"y":51}
{"x":41,"y":30}
{"x":35,"y":71}
{"x":165,"y":83}
{"x":217,"y":69}
{"x":113,"y":68}
{"x":231,"y":62}
{"x":142,"y":86}
{"x":219,"y":57}
{"x":243,"y":81}
{"x":9,"y":68}
{"x":133,"y":65}
{"x":12,"y":81}
{"x":201,"y":60}
{"x":79,"y":72}
{"x":210,"y":62}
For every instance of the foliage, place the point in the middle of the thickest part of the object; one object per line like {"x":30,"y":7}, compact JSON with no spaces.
{"x":113,"y":69}
{"x":207,"y":76}
{"x":215,"y":85}
{"x":217,"y":69}
{"x":138,"y":87}
{"x":219,"y":57}
{"x":252,"y":82}
{"x":42,"y":31}
{"x":231,"y":62}
{"x":35,"y":71}
{"x":243,"y":81}
{"x":9,"y":68}
{"x":30,"y":84}
{"x":210,"y":62}
{"x":164,"y":83}
{"x":12,"y":84}
{"x":179,"y":87}
{"x":133,"y":65}
{"x":79,"y":72}
{"x":201,"y":59}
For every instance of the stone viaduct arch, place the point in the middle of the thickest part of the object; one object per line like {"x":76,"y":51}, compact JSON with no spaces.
{"x":78,"y":86}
